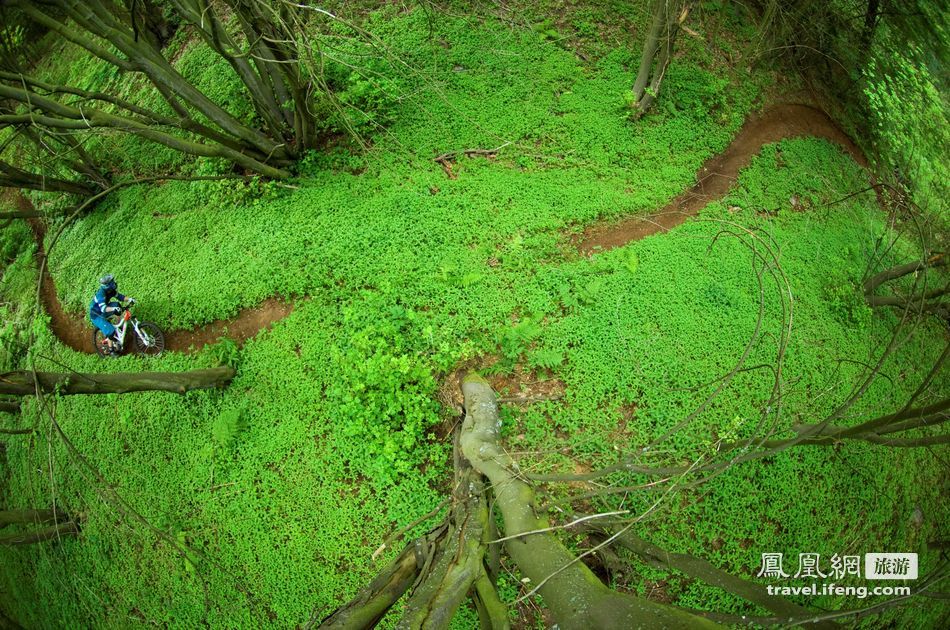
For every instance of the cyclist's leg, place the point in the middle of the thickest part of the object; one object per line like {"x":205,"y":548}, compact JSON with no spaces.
{"x":108,"y":330}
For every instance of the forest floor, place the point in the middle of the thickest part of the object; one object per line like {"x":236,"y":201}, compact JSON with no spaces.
{"x":713,"y":181}
{"x":349,"y":296}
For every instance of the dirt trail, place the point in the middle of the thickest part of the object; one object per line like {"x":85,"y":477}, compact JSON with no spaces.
{"x":713,"y":181}
{"x":76,"y":330}
{"x":717,"y":175}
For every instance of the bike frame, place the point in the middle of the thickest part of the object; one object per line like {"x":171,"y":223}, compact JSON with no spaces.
{"x":121,"y":329}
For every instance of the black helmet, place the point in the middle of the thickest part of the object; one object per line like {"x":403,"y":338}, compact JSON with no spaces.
{"x":107,"y":280}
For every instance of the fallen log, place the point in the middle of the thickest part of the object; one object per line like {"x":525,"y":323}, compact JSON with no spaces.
{"x":701,"y":569}
{"x":9,"y":406}
{"x":53,"y":532}
{"x":57,"y":524}
{"x":25,"y":383}
{"x":29,"y":517}
{"x":458,"y":558}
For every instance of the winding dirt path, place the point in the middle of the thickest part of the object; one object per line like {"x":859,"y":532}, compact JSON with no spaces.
{"x":717,"y":175}
{"x":714,"y":180}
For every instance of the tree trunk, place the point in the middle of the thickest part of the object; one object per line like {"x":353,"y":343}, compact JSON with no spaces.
{"x":460,"y":559}
{"x":657,"y":54}
{"x":875,"y":430}
{"x":373,"y":601}
{"x":53,"y":532}
{"x":66,"y":117}
{"x":33,"y":213}
{"x":149,"y":22}
{"x":30,"y":517}
{"x":266,"y":62}
{"x":900,"y":271}
{"x":203,"y":18}
{"x":61,"y":525}
{"x":183,"y":121}
{"x":160,"y":72}
{"x":265,"y":54}
{"x":9,"y":406}
{"x":925,"y":302}
{"x":451,"y":562}
{"x":23,"y":384}
{"x":13,"y":177}
{"x":650,"y":45}
{"x":705,"y":571}
{"x":871,"y":17}
{"x":101,"y":19}
{"x":278,"y":54}
{"x":457,"y":558}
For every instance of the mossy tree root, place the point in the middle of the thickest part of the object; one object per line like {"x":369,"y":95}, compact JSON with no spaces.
{"x":458,"y":559}
{"x":571,"y":591}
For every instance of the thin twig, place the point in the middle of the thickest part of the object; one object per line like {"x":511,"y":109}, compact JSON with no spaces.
{"x":451,"y":155}
{"x":557,"y":527}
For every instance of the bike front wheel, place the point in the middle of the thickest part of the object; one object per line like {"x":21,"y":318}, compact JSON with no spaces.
{"x":150,"y":340}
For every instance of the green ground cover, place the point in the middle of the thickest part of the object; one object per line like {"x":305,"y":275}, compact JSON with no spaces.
{"x":323,"y":444}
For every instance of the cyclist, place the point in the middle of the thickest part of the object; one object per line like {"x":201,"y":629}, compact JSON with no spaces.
{"x":102,"y":307}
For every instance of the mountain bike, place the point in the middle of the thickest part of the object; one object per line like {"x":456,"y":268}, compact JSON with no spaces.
{"x":148,"y":337}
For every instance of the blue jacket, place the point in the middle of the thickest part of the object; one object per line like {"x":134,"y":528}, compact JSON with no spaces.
{"x":97,"y":308}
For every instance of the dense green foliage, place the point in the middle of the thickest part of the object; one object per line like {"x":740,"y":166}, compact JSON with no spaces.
{"x":325,"y":442}
{"x":912,"y":125}
{"x":884,"y":66}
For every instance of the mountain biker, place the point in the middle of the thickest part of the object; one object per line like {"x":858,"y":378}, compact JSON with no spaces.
{"x":102,"y":307}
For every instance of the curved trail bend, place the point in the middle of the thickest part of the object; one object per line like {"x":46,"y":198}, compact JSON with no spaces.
{"x":76,"y":331}
{"x":719,"y":172}
{"x":713,"y":181}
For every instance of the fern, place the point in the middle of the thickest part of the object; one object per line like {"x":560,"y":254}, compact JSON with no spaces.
{"x":227,"y":427}
{"x":546,"y":358}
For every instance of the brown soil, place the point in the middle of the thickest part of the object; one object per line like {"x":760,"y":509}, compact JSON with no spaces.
{"x":247,"y":324}
{"x":719,"y":173}
{"x":713,"y":181}
{"x":524,"y":387}
{"x":75,"y":330}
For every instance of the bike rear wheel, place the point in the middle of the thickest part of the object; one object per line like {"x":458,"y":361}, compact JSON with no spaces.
{"x":150,"y":340}
{"x":99,"y":344}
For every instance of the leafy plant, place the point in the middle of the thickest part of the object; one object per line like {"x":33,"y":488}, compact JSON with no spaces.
{"x":227,"y":427}
{"x":514,"y":341}
{"x":546,"y":30}
{"x":450,"y":275}
{"x":846,"y":302}
{"x":226,"y":352}
{"x":547,"y":358}
{"x":632,"y":261}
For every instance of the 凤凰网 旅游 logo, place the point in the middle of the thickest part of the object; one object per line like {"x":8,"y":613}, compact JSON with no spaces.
{"x":877,"y":566}
{"x":816,"y":576}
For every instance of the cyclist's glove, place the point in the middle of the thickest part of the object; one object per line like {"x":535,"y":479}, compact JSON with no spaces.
{"x":130,"y":301}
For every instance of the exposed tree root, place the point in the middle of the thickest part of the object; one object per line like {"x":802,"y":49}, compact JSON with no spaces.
{"x":455,"y":560}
